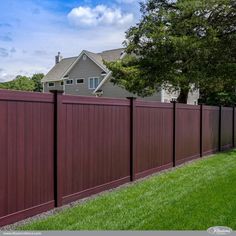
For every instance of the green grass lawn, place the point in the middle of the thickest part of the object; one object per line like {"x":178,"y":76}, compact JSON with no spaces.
{"x":194,"y":197}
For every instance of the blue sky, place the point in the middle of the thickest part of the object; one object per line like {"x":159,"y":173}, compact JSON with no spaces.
{"x":33,"y":31}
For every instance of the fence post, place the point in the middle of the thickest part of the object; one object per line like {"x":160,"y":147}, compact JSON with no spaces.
{"x":174,"y":133}
{"x":57,"y":195}
{"x":220,"y":117}
{"x":201,"y":130}
{"x":233,"y":127}
{"x":132,"y":137}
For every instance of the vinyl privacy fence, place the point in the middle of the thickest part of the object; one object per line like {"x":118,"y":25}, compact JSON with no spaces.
{"x":55,"y":149}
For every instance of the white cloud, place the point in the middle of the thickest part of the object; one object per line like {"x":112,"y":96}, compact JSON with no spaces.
{"x":5,"y":76}
{"x":100,"y":15}
{"x":36,"y":38}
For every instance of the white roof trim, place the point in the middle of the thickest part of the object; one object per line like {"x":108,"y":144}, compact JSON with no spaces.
{"x":102,"y":82}
{"x":78,"y":58}
{"x":50,"y":80}
{"x":98,"y":64}
{"x":123,"y":55}
{"x":107,"y":76}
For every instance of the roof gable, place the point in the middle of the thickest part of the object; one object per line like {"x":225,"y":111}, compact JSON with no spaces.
{"x":57,"y":72}
{"x":66,"y":65}
{"x":107,"y":77}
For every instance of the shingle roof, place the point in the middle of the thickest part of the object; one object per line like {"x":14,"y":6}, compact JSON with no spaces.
{"x":59,"y":69}
{"x":109,"y":55}
{"x":112,"y":55}
{"x":57,"y":72}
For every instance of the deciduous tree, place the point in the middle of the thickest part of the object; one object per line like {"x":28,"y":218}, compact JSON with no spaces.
{"x":180,"y":45}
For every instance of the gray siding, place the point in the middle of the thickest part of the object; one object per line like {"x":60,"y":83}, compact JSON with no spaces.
{"x":111,"y":90}
{"x":155,"y":97}
{"x":84,"y":69}
{"x":57,"y":86}
{"x":192,"y":97}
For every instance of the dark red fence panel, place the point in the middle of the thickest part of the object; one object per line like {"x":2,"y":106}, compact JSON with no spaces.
{"x":153,"y":137}
{"x":226,"y":127}
{"x":26,"y":155}
{"x":210,"y":132}
{"x":187,"y":132}
{"x":94,"y":145}
{"x":234,"y":126}
{"x":55,"y":149}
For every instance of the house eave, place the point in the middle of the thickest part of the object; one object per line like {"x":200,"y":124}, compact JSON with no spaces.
{"x":107,"y":76}
{"x":51,"y":80}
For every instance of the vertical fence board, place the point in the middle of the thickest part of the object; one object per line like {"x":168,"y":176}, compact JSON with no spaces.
{"x":3,"y":164}
{"x":12,"y":158}
{"x":154,"y":137}
{"x":226,"y":128}
{"x":210,"y":129}
{"x":28,"y":155}
{"x":234,"y":127}
{"x":20,"y":153}
{"x":187,"y":132}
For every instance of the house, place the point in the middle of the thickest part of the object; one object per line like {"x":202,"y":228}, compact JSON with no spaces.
{"x":87,"y":75}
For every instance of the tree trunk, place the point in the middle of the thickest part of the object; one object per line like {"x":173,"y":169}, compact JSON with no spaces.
{"x":183,"y":96}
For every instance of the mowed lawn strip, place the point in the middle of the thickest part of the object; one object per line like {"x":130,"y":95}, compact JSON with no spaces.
{"x":193,"y":197}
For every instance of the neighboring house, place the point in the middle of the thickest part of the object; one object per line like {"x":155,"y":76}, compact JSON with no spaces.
{"x":87,"y":75}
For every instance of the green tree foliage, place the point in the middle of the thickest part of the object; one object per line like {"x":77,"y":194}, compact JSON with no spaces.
{"x":19,"y":83}
{"x":180,"y":44}
{"x":24,"y":83}
{"x":38,"y":86}
{"x":223,"y":93}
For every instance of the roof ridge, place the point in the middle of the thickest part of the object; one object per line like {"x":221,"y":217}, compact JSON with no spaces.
{"x":68,"y":57}
{"x":90,"y":52}
{"x":96,"y":53}
{"x":112,"y":50}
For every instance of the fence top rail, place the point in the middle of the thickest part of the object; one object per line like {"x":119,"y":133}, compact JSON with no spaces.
{"x":206,"y":107}
{"x":227,"y":108}
{"x":20,"y":96}
{"x":153,"y":104}
{"x":187,"y":106}
{"x":70,"y":99}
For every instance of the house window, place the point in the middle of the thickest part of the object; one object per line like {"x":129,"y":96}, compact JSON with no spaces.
{"x":51,"y":84}
{"x":62,"y":83}
{"x":79,"y":81}
{"x":93,"y":82}
{"x":69,"y":81}
{"x":103,"y":73}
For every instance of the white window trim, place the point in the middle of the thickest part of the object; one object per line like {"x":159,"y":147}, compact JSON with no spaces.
{"x":78,"y":79}
{"x":52,"y":85}
{"x":93,"y":82}
{"x":69,"y":84}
